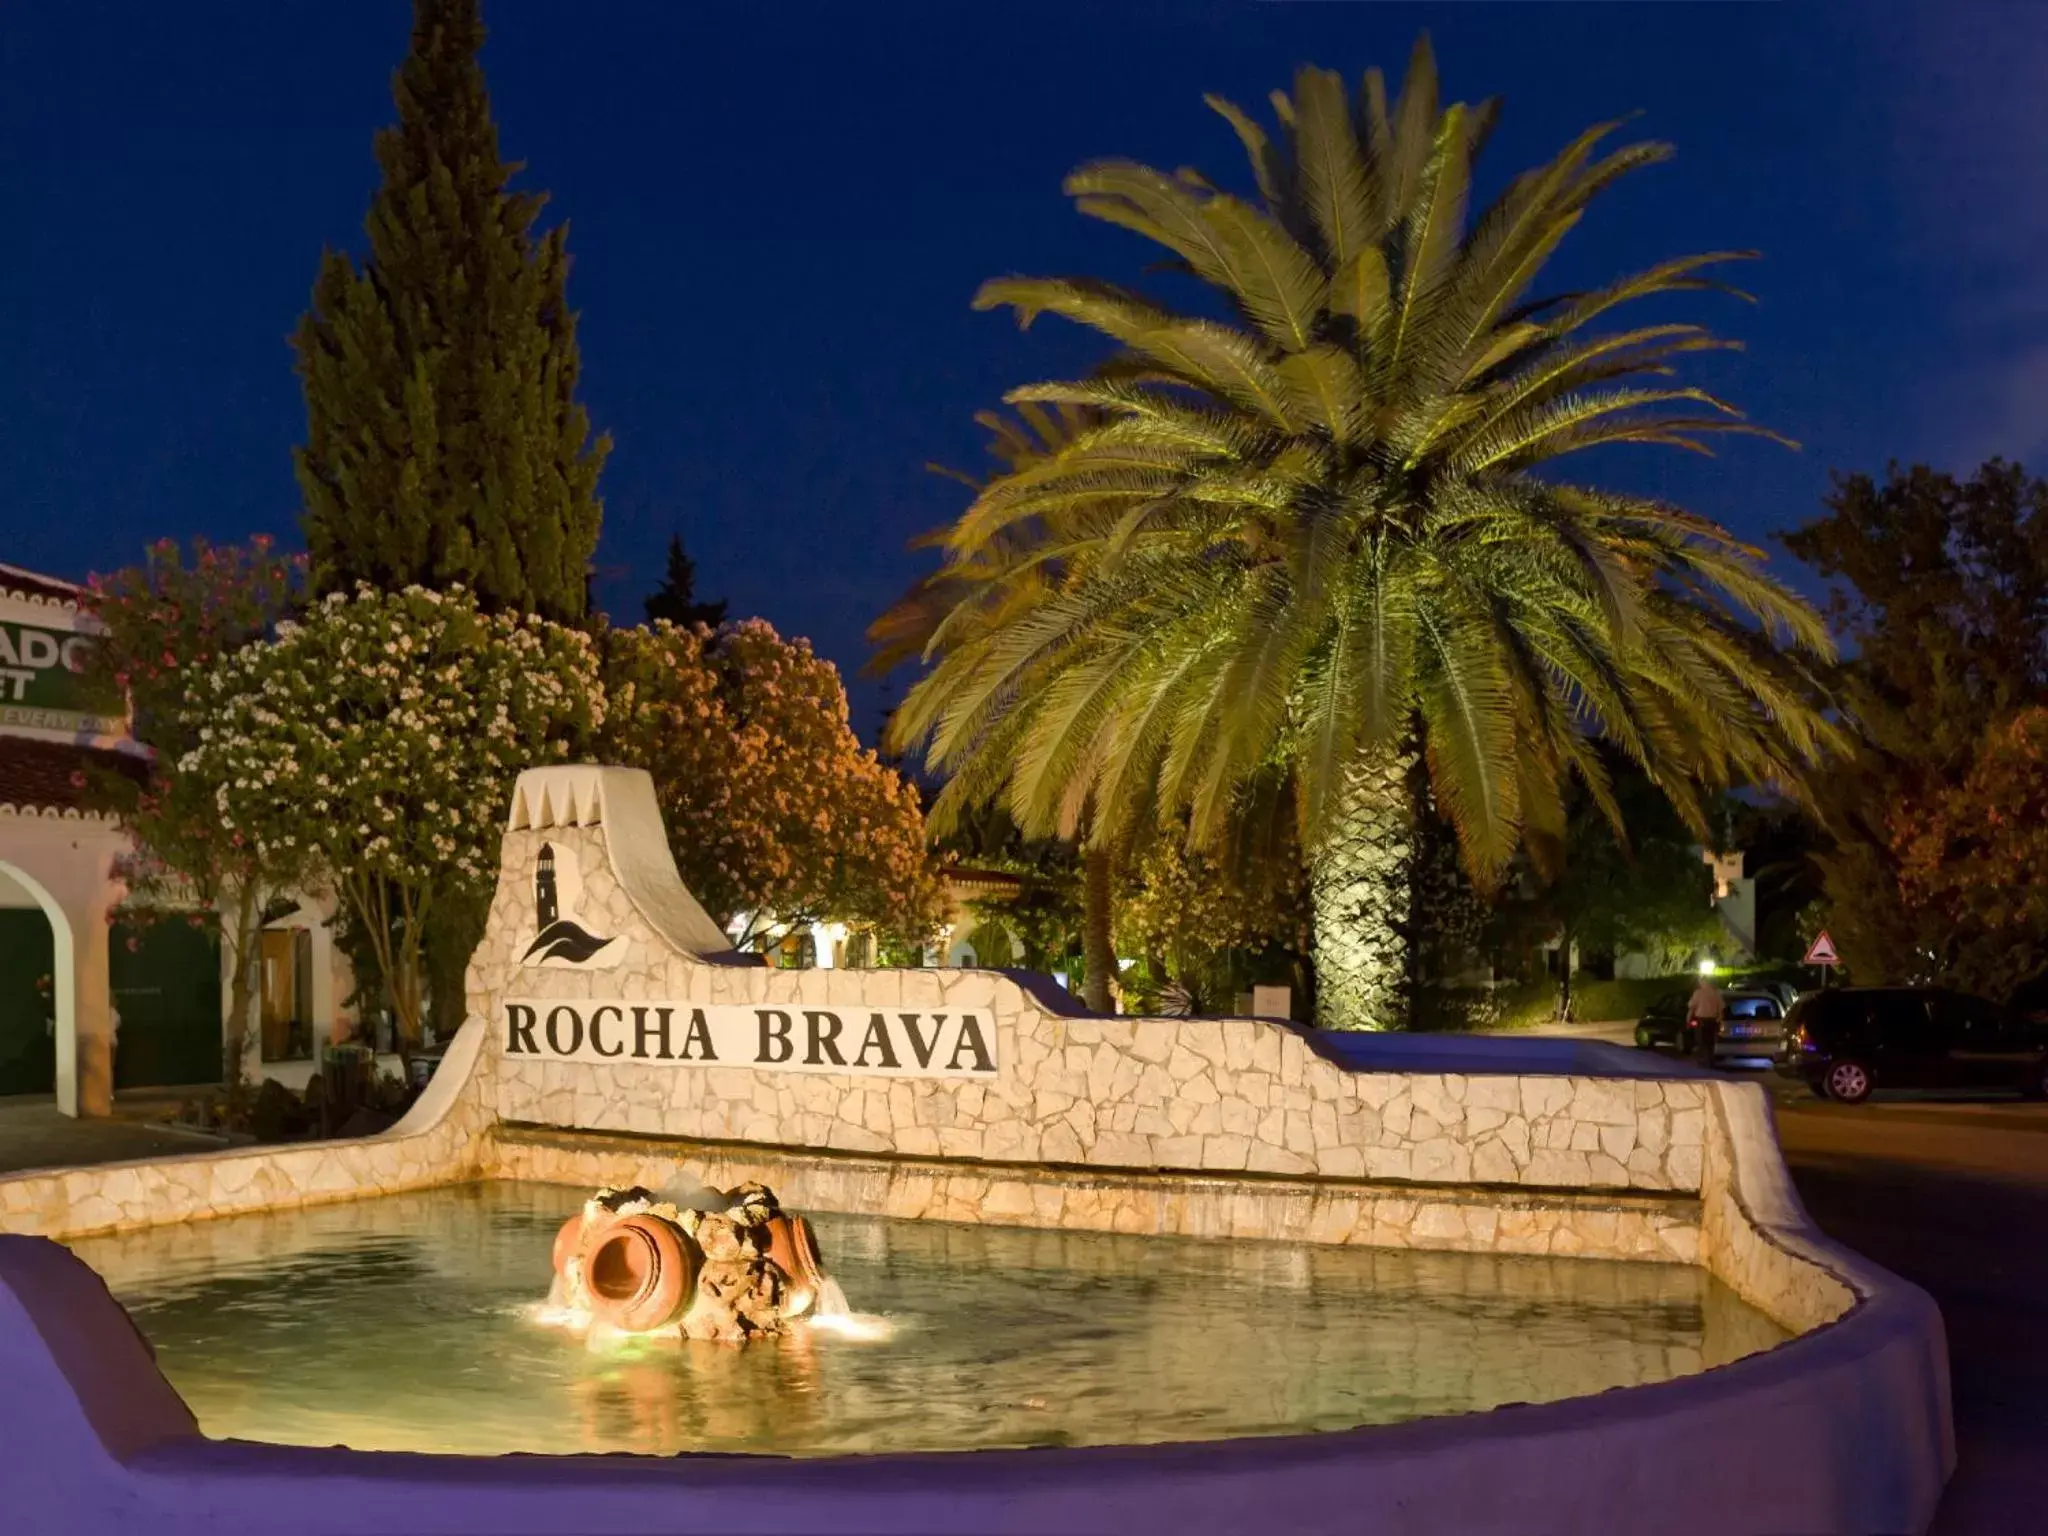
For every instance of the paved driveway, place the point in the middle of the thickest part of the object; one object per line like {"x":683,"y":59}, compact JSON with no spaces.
{"x":34,"y":1135}
{"x":1953,"y":1195}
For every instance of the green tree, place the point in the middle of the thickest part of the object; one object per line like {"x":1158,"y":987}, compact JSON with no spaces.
{"x":379,"y":737}
{"x":1326,"y":533}
{"x":444,"y":444}
{"x":676,"y":598}
{"x":1195,"y":916}
{"x":163,"y":625}
{"x":1646,"y":890}
{"x":1941,"y":587}
{"x":1976,"y":858}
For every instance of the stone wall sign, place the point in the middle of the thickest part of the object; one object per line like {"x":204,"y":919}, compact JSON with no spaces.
{"x":865,"y":1042}
{"x":612,"y":1001}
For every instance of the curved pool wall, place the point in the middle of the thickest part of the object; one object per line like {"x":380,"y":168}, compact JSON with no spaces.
{"x":1235,"y":1128}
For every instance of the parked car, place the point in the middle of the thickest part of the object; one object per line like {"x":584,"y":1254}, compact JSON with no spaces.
{"x":1752,"y":1027}
{"x":1784,"y":991}
{"x":1848,"y":1041}
{"x":2030,"y":997}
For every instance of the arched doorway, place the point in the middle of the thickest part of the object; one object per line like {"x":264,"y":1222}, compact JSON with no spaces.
{"x":155,"y":977}
{"x":38,"y":1001}
{"x":65,"y":863}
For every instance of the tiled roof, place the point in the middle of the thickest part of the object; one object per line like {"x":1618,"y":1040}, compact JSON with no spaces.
{"x":990,"y":880}
{"x":37,"y":777}
{"x":32,"y":587}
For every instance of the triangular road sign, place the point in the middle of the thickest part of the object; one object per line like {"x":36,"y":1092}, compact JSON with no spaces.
{"x":1823,"y":951}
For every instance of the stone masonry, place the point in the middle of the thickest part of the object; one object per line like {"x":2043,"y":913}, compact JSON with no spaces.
{"x":1207,"y":1095}
{"x":1230,"y":1128}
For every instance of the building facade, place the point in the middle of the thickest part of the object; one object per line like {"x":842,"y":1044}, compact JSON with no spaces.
{"x":94,"y":998}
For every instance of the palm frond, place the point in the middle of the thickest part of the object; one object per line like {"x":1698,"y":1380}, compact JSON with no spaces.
{"x":1263,"y":549}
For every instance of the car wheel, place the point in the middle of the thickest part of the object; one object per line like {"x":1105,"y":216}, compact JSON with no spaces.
{"x":1848,"y":1082}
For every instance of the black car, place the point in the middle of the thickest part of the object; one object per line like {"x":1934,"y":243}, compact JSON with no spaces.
{"x":1847,"y":1041}
{"x":1750,"y":1028}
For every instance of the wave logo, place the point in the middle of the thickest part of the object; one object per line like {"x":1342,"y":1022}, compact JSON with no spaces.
{"x":562,"y":941}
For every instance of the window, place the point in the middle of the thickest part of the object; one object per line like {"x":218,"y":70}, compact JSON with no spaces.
{"x":1971,"y":1021}
{"x":285,"y":982}
{"x":1902,"y":1018}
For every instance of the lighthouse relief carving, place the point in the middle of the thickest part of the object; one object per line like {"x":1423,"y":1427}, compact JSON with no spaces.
{"x":560,"y":940}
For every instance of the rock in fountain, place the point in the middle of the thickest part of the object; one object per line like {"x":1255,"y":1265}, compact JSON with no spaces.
{"x":710,"y":1266}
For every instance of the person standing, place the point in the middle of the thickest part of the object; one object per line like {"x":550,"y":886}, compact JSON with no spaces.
{"x":1703,"y":1012}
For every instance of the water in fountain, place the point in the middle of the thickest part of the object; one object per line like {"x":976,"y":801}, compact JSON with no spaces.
{"x":402,"y":1323}
{"x":831,"y":1301}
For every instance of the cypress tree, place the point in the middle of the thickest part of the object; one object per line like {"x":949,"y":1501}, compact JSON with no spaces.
{"x":676,"y":598}
{"x":443,"y":440}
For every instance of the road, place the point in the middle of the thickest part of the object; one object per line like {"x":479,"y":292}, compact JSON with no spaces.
{"x":1955,"y":1198}
{"x":1953,"y":1195}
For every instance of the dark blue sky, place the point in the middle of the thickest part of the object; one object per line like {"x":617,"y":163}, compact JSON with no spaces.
{"x":778,"y":214}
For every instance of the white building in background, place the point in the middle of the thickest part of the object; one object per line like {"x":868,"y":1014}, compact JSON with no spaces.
{"x":1735,"y":902}
{"x":827,"y":945}
{"x":57,"y":858}
{"x":90,"y":1006}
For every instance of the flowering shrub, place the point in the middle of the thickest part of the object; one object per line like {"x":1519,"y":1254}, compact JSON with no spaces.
{"x":381,"y":735}
{"x":164,"y":622}
{"x":774,"y":808}
{"x":163,"y":625}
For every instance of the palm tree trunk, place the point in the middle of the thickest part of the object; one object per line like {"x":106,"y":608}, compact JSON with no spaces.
{"x":1360,"y":889}
{"x":1098,"y":951}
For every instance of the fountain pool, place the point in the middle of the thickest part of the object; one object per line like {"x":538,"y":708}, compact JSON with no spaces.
{"x":409,"y":1322}
{"x":1111,"y":1274}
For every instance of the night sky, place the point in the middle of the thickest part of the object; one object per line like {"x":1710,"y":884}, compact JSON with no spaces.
{"x":779,"y":212}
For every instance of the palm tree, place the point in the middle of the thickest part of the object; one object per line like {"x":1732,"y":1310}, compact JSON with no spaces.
{"x":990,"y":588}
{"x":1318,"y":536}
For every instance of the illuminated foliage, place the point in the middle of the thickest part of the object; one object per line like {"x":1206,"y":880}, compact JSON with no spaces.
{"x":1940,"y":585}
{"x":379,"y":736}
{"x":1327,"y":533}
{"x":1187,"y":911}
{"x":775,"y":810}
{"x":1974,"y":858}
{"x":444,"y":444}
{"x":164,"y":624}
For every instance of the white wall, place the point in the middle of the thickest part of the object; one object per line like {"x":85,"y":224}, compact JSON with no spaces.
{"x":67,"y":864}
{"x":333,"y":983}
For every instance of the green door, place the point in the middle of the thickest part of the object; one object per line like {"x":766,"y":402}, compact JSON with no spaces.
{"x":28,"y":1045}
{"x":166,"y":983}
